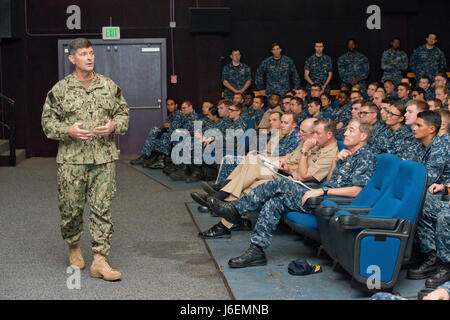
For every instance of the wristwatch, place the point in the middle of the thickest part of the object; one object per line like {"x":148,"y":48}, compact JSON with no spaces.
{"x":325,"y":190}
{"x":305,"y":154}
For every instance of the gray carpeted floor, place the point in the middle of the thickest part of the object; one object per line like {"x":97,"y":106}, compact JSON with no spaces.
{"x":155,"y":243}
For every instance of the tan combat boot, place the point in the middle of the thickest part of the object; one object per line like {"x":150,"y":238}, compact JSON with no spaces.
{"x":101,"y":269}
{"x":75,"y":257}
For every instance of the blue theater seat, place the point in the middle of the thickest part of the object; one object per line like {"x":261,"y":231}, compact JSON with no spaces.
{"x":375,"y":245}
{"x":382,"y":178}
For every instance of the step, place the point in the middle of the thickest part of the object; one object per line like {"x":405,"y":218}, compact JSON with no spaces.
{"x":4,"y":145}
{"x":4,"y":157}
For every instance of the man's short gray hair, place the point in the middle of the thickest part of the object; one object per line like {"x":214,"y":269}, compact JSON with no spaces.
{"x":79,"y":43}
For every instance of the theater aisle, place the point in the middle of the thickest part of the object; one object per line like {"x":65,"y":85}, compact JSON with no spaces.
{"x":155,"y":243}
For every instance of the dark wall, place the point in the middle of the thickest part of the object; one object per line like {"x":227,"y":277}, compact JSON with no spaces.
{"x":29,"y":66}
{"x":296,"y":25}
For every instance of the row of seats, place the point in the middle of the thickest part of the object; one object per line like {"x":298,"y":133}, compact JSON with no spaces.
{"x":373,"y":230}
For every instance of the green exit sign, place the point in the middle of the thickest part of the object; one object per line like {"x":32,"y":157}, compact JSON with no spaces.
{"x":111,"y":33}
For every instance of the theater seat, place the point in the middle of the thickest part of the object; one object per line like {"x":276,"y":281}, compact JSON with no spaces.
{"x":375,"y":245}
{"x":382,"y":178}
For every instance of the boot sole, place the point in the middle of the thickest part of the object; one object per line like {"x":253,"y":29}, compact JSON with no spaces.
{"x":251,"y":264}
{"x":421,"y":276}
{"x":199,"y":200}
{"x":98,"y":275}
{"x":225,"y":236}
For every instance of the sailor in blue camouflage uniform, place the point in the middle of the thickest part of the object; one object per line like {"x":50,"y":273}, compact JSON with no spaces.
{"x":286,"y":144}
{"x":353,"y":66}
{"x":174,"y":119}
{"x":428,"y":60}
{"x":318,"y":68}
{"x":432,"y":234}
{"x":352,"y":170}
{"x":278,"y":70}
{"x":236,"y":75}
{"x":255,"y":112}
{"x":166,"y":144}
{"x":393,"y":63}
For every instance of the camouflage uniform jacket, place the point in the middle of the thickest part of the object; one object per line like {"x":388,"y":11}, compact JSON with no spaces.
{"x":287,"y":144}
{"x":393,"y":72}
{"x":353,"y":66}
{"x":427,"y":62}
{"x":69,"y":102}
{"x":436,"y":159}
{"x":278,"y":73}
{"x":356,"y":170}
{"x":319,"y":68}
{"x":256,"y":116}
{"x":237,"y":76}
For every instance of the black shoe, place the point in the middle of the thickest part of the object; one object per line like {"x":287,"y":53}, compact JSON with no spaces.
{"x":254,"y":256}
{"x":224,"y":209}
{"x":203,"y":209}
{"x":201,"y":199}
{"x":425,"y":270}
{"x":171,"y":168}
{"x":210,"y":188}
{"x":243,"y":225}
{"x":216,"y":231}
{"x":139,"y":160}
{"x":442,"y":275}
{"x":179,"y":175}
{"x":195,"y":176}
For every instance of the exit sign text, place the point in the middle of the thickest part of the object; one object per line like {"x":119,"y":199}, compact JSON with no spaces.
{"x":111,"y":33}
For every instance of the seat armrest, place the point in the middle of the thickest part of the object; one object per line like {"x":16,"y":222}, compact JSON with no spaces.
{"x":352,"y":221}
{"x":316,"y":201}
{"x":328,"y":211}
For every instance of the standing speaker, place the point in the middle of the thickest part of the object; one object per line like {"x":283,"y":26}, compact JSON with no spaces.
{"x":210,"y":20}
{"x":12,"y":21}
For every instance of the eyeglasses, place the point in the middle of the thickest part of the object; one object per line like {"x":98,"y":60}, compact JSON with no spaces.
{"x":390,"y":114}
{"x":365,"y":113}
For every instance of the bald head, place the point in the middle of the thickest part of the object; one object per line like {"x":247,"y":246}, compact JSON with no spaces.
{"x":306,"y":129}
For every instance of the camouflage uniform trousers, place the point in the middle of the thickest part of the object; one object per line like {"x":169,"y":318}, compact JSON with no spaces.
{"x":433,"y":227}
{"x":152,"y":141}
{"x":273,"y":198}
{"x":94,"y":184}
{"x":165,"y":145}
{"x":386,"y":296}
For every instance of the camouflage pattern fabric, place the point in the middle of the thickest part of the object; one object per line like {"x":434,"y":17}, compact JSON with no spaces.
{"x":393,"y":72}
{"x":278,"y":73}
{"x":353,"y":66}
{"x":318,"y":67}
{"x":94,"y":184}
{"x":427,"y":62}
{"x":436,"y":160}
{"x":237,"y":76}
{"x":433,"y":227}
{"x":69,"y":102}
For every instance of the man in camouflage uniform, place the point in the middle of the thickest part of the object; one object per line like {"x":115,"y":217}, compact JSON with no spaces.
{"x":369,"y":112}
{"x":278,"y":71}
{"x":318,"y":68}
{"x":236,"y":76}
{"x":353,"y":66}
{"x":148,"y":153}
{"x":349,"y":173}
{"x":394,"y":62}
{"x":83,"y":112}
{"x":164,"y":147}
{"x":428,"y":60}
{"x":433,"y":227}
{"x":255,"y":112}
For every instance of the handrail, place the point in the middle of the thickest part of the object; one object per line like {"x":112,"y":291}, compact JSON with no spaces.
{"x":11,"y":126}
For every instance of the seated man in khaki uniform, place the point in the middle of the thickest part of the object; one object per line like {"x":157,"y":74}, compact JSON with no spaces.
{"x":311,"y":161}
